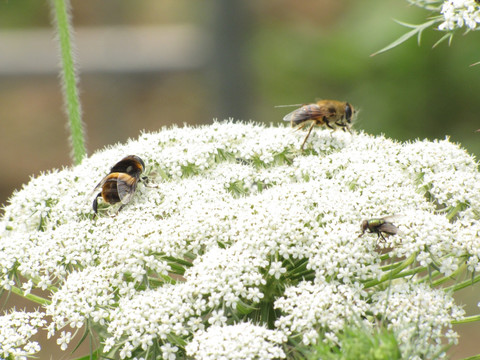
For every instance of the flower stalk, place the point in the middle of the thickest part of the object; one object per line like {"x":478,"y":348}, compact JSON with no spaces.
{"x":69,"y":78}
{"x":33,"y":298}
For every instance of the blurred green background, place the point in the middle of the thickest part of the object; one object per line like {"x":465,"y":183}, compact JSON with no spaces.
{"x":190,"y":62}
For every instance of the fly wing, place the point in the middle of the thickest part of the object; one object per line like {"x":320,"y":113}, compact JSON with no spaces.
{"x":388,"y":228}
{"x":392,"y":218}
{"x":126,"y":186}
{"x":99,"y":185}
{"x":306,"y":112}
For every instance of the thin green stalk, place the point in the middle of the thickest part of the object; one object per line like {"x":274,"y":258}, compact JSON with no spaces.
{"x":463,"y":284}
{"x":467,"y":319}
{"x":392,"y":273}
{"x":429,"y":277}
{"x":475,"y":357}
{"x":62,"y":20}
{"x":34,"y":298}
{"x":409,"y":272}
{"x":460,"y":270}
{"x":390,"y":266}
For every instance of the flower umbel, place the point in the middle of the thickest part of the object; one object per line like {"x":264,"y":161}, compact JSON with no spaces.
{"x":460,"y":13}
{"x":248,"y":243}
{"x":16,"y":329}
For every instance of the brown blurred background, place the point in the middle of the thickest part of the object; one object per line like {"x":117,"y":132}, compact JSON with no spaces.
{"x":147,"y":64}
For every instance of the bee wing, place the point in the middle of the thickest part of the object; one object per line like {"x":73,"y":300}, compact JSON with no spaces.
{"x":388,"y":228}
{"x":126,"y":186}
{"x":306,"y":112}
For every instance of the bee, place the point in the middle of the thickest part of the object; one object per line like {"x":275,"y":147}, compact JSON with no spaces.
{"x":120,"y":184}
{"x":379,"y":226}
{"x":331,"y":113}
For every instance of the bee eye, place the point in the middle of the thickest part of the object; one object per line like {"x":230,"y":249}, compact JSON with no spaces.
{"x":129,"y":169}
{"x":348,"y":112}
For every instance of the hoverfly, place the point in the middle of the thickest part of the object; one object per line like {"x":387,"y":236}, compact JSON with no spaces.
{"x":330,"y":113}
{"x":120,"y":184}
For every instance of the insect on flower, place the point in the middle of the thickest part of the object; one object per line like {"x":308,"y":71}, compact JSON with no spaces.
{"x":331,"y":113}
{"x":120,"y":184}
{"x":379,"y":226}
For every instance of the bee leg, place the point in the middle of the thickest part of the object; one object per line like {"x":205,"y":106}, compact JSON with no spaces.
{"x":308,"y":134}
{"x":95,"y":202}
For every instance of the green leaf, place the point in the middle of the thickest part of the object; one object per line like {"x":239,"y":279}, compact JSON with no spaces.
{"x":417,"y":30}
{"x":448,"y":36}
{"x":244,"y":308}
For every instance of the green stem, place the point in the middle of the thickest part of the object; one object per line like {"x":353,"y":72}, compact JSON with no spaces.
{"x":392,"y":273}
{"x":69,"y":78}
{"x":428,"y":277}
{"x":460,"y":269}
{"x":384,"y":257}
{"x":391,"y":266}
{"x":475,"y":357}
{"x":409,"y":272}
{"x":463,"y":284}
{"x":34,"y":298}
{"x":467,"y":319}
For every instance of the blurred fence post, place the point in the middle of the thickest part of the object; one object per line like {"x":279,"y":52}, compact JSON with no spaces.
{"x":229,"y":67}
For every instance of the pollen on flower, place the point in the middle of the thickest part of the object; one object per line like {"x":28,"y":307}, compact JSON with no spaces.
{"x":242,"y":225}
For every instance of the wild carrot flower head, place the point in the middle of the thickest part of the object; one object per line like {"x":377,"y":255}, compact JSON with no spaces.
{"x":246,"y":242}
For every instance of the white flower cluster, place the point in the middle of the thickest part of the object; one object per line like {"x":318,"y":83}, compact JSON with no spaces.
{"x":240,"y":220}
{"x":243,"y":341}
{"x":16,"y":329}
{"x":460,"y":13}
{"x":418,"y":333}
{"x":310,"y":308}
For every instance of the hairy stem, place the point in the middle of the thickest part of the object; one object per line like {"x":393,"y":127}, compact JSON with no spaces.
{"x":62,"y":21}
